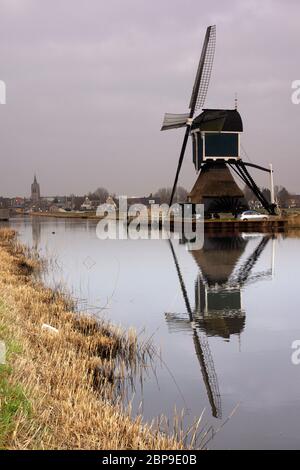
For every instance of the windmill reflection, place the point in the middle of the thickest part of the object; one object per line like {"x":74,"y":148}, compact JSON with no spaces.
{"x":217,"y":309}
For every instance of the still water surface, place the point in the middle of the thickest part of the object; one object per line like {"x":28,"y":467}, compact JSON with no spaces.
{"x":224,"y":318}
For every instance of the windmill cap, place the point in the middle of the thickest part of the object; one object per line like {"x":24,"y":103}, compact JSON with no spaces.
{"x":219,"y":120}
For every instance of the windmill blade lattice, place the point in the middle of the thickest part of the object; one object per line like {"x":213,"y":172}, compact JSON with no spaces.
{"x":204,"y":70}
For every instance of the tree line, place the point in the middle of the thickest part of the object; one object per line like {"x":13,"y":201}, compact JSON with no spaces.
{"x":163,"y":195}
{"x":282,"y":195}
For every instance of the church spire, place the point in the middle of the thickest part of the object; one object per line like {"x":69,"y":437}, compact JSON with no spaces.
{"x":35,"y":190}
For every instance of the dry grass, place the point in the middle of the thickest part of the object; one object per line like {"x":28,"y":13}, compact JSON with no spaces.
{"x":67,"y":377}
{"x":293,"y":223}
{"x":294,"y":220}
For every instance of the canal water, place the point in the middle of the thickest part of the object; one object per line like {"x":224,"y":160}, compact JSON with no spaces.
{"x":224,"y":319}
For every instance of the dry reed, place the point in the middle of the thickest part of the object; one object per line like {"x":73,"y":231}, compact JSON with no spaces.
{"x":68,"y":377}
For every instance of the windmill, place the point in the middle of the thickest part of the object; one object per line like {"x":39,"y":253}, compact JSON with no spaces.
{"x":217,"y":310}
{"x":216,"y":146}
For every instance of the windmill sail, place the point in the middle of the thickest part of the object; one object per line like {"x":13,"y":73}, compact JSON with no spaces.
{"x":204,"y":70}
{"x":174,"y":121}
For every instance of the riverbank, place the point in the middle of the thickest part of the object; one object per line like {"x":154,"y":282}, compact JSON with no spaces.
{"x":67,"y":215}
{"x":273,"y":224}
{"x":57,"y":386}
{"x":294,"y":221}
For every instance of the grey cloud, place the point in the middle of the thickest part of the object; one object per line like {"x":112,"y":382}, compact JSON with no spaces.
{"x":88,"y":84}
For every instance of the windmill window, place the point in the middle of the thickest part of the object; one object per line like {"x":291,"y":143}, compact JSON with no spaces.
{"x":221,"y":145}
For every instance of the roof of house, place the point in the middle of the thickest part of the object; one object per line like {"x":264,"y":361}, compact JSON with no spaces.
{"x":219,"y":120}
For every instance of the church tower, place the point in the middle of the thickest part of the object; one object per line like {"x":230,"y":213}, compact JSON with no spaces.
{"x":35,"y":190}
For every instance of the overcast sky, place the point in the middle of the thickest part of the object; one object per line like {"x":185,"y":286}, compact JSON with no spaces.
{"x":88,"y":83}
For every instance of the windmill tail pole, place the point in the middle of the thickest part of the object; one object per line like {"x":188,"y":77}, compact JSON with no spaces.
{"x":183,"y":148}
{"x":272,"y":192}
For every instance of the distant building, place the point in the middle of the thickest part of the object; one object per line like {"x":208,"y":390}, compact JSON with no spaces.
{"x":294,"y":201}
{"x":87,"y":205}
{"x":145,"y":200}
{"x":5,"y":202}
{"x":18,"y":202}
{"x":35,"y":190}
{"x":54,"y":208}
{"x":254,"y":204}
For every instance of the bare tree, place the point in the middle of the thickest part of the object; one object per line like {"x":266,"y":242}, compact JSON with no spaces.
{"x":248,"y":193}
{"x":267,"y":194}
{"x":283,"y":197}
{"x":100,"y":194}
{"x":250,"y":196}
{"x":77,"y":201}
{"x":164,"y":194}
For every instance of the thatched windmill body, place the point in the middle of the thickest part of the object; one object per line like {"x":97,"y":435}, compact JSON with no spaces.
{"x":216,"y":146}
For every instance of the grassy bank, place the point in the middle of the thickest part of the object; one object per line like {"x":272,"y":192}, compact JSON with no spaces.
{"x":57,"y":388}
{"x":294,"y":221}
